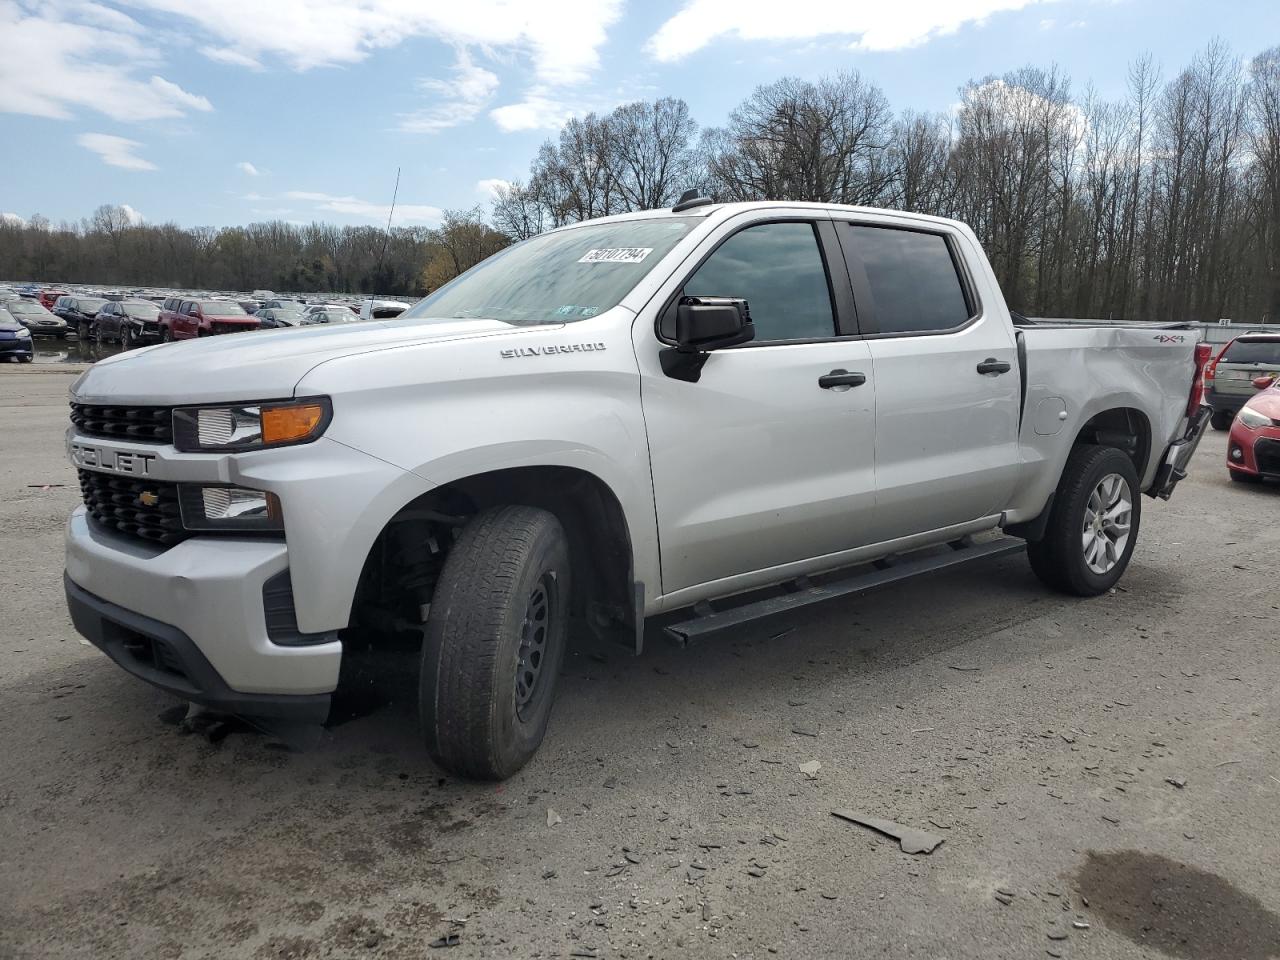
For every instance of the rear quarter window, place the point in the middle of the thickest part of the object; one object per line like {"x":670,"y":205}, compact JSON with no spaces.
{"x":1252,"y":351}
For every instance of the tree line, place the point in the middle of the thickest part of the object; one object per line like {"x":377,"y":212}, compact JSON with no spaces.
{"x":1163,"y":204}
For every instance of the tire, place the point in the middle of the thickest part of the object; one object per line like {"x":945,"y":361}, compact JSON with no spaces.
{"x":166,"y":335}
{"x":26,"y":359}
{"x":1239,"y":477}
{"x":507,"y":572}
{"x":1062,"y":558}
{"x":1221,"y":419}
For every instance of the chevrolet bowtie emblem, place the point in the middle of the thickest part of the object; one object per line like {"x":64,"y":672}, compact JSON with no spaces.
{"x":148,"y":499}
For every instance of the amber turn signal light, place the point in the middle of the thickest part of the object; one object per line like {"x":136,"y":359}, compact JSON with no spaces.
{"x":292,"y":423}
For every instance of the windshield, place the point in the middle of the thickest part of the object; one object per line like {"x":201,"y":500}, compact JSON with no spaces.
{"x":25,"y":306}
{"x":1252,"y":351}
{"x":89,"y":304}
{"x":557,"y":277}
{"x":143,"y":311}
{"x":221,"y":308}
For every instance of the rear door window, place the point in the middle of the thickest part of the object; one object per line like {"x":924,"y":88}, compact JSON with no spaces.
{"x":905,"y":281}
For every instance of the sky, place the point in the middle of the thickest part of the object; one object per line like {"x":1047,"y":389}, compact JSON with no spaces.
{"x":222,"y":112}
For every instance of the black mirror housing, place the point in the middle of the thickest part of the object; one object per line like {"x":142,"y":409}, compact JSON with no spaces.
{"x":712,"y":323}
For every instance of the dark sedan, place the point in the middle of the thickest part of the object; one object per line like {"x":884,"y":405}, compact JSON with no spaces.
{"x":78,"y":312}
{"x":129,"y":322}
{"x":15,"y":339}
{"x":272,"y":318}
{"x":36,"y":318}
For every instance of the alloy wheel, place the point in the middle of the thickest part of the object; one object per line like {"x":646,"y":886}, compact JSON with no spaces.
{"x":1107,"y":518}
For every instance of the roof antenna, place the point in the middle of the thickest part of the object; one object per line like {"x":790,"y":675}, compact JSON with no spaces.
{"x":387,"y":234}
{"x":690,"y":199}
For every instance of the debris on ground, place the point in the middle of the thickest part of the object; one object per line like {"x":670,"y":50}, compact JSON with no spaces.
{"x":448,"y":940}
{"x":805,"y":730}
{"x":811,"y":769}
{"x":910,"y":839}
{"x":553,"y":818}
{"x":1175,"y":781}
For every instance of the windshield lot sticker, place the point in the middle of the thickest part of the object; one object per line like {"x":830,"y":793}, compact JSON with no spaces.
{"x":616,"y":255}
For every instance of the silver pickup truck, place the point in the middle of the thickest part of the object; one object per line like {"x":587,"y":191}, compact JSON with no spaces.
{"x":655,"y":412}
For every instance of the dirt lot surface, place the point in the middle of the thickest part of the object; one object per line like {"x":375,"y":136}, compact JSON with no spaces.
{"x":1105,"y":775}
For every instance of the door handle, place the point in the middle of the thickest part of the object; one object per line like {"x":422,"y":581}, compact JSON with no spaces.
{"x":841,"y":378}
{"x":992,"y":365}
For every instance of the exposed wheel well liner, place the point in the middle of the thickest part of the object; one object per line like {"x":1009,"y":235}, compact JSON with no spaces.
{"x":593,"y":519}
{"x":1124,"y":428}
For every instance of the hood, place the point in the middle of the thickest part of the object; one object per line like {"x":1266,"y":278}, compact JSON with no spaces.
{"x":257,"y":365}
{"x":9,"y":326}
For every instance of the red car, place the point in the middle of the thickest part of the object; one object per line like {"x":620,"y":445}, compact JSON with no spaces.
{"x":202,"y":318}
{"x":47,"y":297}
{"x":1253,"y":446}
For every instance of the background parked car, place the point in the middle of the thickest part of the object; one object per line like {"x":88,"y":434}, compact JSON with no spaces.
{"x":15,"y":339}
{"x":1253,"y":447}
{"x":271,"y":318}
{"x":47,"y":297}
{"x":129,"y":322}
{"x":36,"y":318}
{"x":382,"y":309}
{"x":8,"y":293}
{"x":202,"y":318}
{"x":328,"y":315}
{"x":78,"y":312}
{"x":1228,"y":380}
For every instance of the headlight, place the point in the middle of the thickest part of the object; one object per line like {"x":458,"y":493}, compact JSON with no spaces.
{"x":22,"y":332}
{"x":1253,"y":419}
{"x":251,"y":426}
{"x":228,"y":508}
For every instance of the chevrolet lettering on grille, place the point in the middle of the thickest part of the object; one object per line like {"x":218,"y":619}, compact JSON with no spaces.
{"x":111,"y":461}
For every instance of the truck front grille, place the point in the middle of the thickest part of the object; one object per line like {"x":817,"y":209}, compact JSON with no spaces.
{"x":146,"y":509}
{"x":141,"y":423}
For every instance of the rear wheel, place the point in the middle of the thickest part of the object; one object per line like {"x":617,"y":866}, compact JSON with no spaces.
{"x":495,"y":640}
{"x":1221,"y":419}
{"x":166,"y":335}
{"x":1093,"y":524}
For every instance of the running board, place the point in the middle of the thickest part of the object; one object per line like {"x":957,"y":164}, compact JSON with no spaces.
{"x":804,"y":593}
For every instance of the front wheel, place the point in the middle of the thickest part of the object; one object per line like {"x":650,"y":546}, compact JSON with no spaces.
{"x":1221,"y":419}
{"x":1093,"y":524}
{"x":494,"y":643}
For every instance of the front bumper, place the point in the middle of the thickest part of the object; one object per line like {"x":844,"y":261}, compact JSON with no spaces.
{"x":203,"y":598}
{"x":1173,"y":466}
{"x":16,"y":347}
{"x":166,"y":657}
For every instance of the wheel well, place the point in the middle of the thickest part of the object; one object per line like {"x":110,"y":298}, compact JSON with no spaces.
{"x":400,"y":572}
{"x":1124,"y":428}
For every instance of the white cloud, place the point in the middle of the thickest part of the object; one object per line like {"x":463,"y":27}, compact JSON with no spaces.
{"x":231,"y":56}
{"x":537,"y":111}
{"x":64,"y":57}
{"x":115,"y":151}
{"x":244,"y":166}
{"x":459,"y":101}
{"x":876,"y":26}
{"x":489,"y":188}
{"x":13,"y":218}
{"x":405,"y":213}
{"x":132,"y":215}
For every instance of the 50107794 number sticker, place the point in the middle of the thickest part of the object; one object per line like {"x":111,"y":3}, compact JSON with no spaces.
{"x":616,"y":255}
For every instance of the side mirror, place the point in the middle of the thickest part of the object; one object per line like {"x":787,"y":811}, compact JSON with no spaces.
{"x":1262,"y":383}
{"x":711,"y":323}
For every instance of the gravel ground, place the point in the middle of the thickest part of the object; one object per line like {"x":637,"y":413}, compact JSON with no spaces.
{"x":1104,"y":773}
